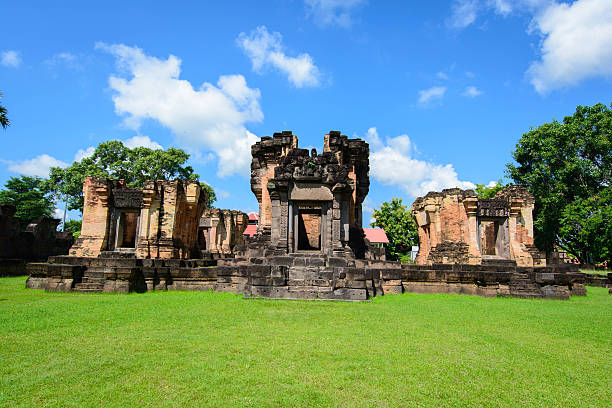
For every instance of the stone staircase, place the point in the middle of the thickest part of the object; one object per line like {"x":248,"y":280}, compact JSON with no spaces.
{"x":93,"y":277}
{"x":92,"y":282}
{"x":522,"y":286}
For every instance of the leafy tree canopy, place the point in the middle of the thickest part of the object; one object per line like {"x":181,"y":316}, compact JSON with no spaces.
{"x":74,"y":227}
{"x":586,"y":228}
{"x":30,"y":195}
{"x":211,"y":196}
{"x":482,"y":191}
{"x":4,"y":121}
{"x":114,"y":160}
{"x":567,"y":166}
{"x":398,"y":223}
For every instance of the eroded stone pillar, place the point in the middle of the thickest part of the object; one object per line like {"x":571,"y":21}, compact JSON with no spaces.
{"x":96,"y":218}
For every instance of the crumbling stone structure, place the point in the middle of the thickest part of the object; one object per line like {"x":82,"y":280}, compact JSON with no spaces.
{"x":457,"y":227}
{"x":221,"y":231}
{"x":310,"y":243}
{"x":39,"y":241}
{"x":311,"y":201}
{"x":157,"y":221}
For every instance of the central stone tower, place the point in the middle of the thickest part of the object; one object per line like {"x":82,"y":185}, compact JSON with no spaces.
{"x":311,"y":202}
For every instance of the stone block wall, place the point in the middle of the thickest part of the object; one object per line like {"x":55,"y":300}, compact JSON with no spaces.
{"x":301,"y":276}
{"x":39,"y":241}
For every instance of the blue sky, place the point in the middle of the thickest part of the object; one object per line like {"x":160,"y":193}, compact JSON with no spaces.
{"x":441,"y":90}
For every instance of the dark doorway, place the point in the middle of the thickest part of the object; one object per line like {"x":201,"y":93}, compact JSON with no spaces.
{"x":309,"y":229}
{"x":202,"y":233}
{"x":126,"y":233}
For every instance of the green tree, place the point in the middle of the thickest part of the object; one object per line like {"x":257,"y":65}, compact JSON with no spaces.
{"x":114,"y":160}
{"x":4,"y":121}
{"x":211,"y":196}
{"x":74,"y":227}
{"x":482,"y":191}
{"x":30,"y":196}
{"x":564,"y":165}
{"x":586,"y":228}
{"x":398,"y":223}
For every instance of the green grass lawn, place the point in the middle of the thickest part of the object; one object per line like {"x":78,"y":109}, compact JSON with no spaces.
{"x":209,"y":349}
{"x":595,"y":271}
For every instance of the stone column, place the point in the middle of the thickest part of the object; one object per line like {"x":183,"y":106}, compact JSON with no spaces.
{"x":167,"y":219}
{"x":336,"y":224}
{"x":275,"y":215}
{"x":518,"y":250}
{"x":96,"y":218}
{"x":283,"y":221}
{"x":227,"y":241}
{"x":471,"y":209}
{"x":290,"y":227}
{"x":149,"y":221}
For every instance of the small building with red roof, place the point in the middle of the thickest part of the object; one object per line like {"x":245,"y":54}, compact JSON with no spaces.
{"x":376,"y":236}
{"x":251,"y":228}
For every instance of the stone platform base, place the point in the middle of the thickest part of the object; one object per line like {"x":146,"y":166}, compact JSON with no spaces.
{"x":602,"y":281}
{"x":12,"y":267}
{"x":300,"y":276}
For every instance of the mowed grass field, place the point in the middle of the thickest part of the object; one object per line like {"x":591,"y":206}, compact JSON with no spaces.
{"x":210,"y":349}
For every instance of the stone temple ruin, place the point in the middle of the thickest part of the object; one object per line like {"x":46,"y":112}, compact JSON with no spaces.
{"x":37,"y":242}
{"x":221,"y":231}
{"x":310,"y":242}
{"x":457,"y":227}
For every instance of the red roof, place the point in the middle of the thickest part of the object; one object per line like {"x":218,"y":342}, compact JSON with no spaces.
{"x":376,"y":235}
{"x":250,"y":230}
{"x":253,"y":216}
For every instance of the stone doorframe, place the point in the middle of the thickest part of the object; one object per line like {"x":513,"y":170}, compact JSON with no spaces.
{"x":116,"y":232}
{"x":502,"y":248}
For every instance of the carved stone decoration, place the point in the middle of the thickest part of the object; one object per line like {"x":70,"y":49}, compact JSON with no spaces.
{"x":297,"y":189}
{"x":493,"y":207}
{"x":127,"y":198}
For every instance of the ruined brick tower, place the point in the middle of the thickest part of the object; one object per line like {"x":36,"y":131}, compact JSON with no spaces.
{"x":457,"y":227}
{"x":310,"y":201}
{"x":157,"y":221}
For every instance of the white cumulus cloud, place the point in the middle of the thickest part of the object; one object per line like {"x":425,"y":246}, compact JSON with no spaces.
{"x":210,"y":117}
{"x":83,"y":153}
{"x":141,"y":141}
{"x":38,"y":166}
{"x":266,"y":49}
{"x":333,"y":12}
{"x":576,"y":44}
{"x":435,"y":93}
{"x":391,"y":163}
{"x":472,"y":92}
{"x":10,"y":58}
